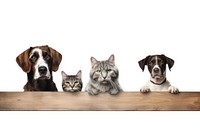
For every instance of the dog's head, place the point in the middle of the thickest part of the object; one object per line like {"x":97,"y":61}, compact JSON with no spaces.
{"x":156,"y":65}
{"x":40,"y":61}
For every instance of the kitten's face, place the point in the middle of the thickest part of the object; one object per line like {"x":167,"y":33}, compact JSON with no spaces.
{"x":71,"y":83}
{"x":104,"y":71}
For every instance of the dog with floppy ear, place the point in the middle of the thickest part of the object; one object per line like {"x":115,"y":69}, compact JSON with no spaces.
{"x":157,"y":68}
{"x":39,"y":62}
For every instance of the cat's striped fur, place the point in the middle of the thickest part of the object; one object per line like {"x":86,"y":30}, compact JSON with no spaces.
{"x":103,"y":77}
{"x":72,"y":83}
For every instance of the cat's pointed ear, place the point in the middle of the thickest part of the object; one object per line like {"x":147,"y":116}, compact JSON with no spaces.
{"x":79,"y":74}
{"x":143,"y":62}
{"x":112,"y":59}
{"x":64,"y":75}
{"x":93,"y":61}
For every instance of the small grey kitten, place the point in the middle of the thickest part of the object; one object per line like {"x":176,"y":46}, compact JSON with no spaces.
{"x":103,"y":77}
{"x":72,"y":83}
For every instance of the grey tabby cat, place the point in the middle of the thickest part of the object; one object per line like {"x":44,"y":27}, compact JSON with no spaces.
{"x":103,"y":77}
{"x":72,"y":83}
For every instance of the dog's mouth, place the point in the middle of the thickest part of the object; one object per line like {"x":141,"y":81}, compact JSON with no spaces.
{"x":157,"y":76}
{"x":43,"y":77}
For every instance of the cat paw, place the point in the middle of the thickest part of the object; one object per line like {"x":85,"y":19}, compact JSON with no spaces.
{"x":114,"y":91}
{"x":145,"y":89}
{"x":93,"y":91}
{"x":173,"y":90}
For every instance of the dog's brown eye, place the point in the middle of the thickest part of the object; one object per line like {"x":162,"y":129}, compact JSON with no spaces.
{"x":33,"y":58}
{"x":160,"y":62}
{"x":151,"y":62}
{"x":47,"y":57}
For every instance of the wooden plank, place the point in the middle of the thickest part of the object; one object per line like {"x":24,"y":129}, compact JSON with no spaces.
{"x":102,"y":102}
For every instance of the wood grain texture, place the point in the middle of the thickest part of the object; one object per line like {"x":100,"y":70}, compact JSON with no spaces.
{"x":103,"y":102}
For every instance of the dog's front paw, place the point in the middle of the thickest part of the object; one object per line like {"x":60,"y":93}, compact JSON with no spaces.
{"x":145,"y":89}
{"x":173,"y":90}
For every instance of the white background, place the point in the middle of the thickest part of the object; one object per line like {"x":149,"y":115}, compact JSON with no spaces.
{"x":79,"y":29}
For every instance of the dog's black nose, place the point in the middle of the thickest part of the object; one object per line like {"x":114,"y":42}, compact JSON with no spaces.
{"x":42,"y":70}
{"x":156,"y":70}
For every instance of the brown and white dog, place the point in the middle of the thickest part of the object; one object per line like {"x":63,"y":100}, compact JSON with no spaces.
{"x":157,"y":68}
{"x":39,"y":62}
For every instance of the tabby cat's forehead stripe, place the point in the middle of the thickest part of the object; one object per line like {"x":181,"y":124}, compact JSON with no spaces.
{"x":73,"y":78}
{"x":103,"y":65}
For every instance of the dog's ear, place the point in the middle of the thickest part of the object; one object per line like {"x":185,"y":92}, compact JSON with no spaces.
{"x":23,"y":60}
{"x":56,"y":59}
{"x":170,"y":62}
{"x":143,"y":62}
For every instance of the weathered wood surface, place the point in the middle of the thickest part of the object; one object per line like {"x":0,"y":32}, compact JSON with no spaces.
{"x":102,"y":102}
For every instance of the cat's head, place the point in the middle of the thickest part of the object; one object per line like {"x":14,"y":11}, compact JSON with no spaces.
{"x":72,"y":83}
{"x":105,"y":71}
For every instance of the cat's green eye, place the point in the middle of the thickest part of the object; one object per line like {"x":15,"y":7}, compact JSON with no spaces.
{"x":98,"y":71}
{"x":67,"y":82}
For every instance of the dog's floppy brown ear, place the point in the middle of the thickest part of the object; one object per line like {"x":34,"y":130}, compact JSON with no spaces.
{"x":170,"y":62}
{"x":56,"y":59}
{"x":23,"y":60}
{"x":143,"y":62}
